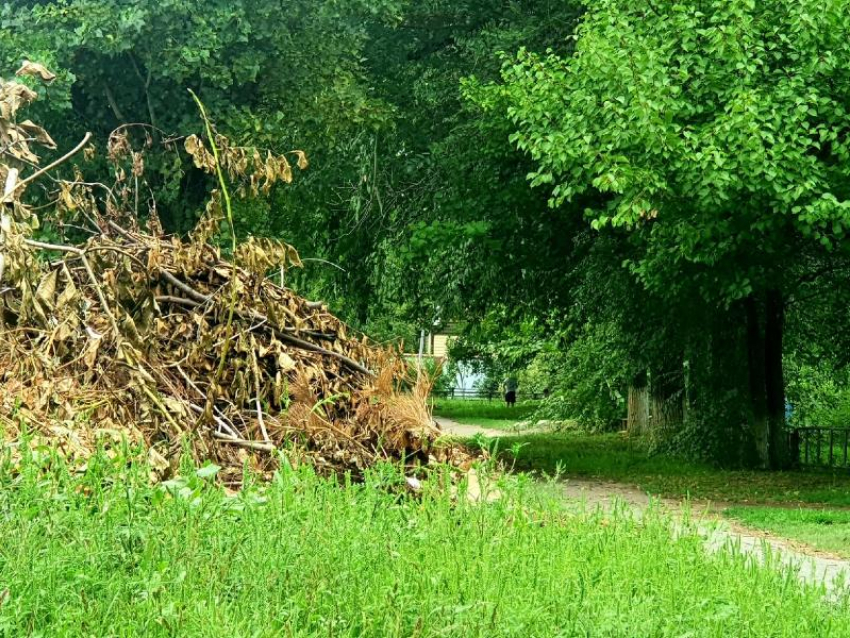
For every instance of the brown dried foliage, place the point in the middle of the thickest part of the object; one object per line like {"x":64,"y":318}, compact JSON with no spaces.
{"x":120,"y":337}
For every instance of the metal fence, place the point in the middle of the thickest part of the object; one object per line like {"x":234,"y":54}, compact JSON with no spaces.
{"x":820,"y":447}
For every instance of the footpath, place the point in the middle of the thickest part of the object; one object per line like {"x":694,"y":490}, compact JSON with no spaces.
{"x":719,"y":534}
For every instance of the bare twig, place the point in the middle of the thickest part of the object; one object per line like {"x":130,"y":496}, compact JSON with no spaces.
{"x":57,"y":247}
{"x":251,"y":445}
{"x":259,"y":407}
{"x":54,"y":163}
{"x":219,"y":421}
{"x":325,"y":262}
{"x":110,"y":99}
{"x":180,"y":301}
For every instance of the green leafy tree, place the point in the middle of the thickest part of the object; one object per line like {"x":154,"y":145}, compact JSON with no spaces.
{"x":273,"y":75}
{"x":715,"y":133}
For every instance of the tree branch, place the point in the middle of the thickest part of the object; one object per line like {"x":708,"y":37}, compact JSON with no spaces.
{"x":53,"y":164}
{"x":110,"y":99}
{"x":199,"y":298}
{"x":146,"y":83}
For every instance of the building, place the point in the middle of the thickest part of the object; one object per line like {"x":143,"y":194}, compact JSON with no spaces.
{"x":437,"y":345}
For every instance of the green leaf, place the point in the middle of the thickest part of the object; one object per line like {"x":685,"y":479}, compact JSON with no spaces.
{"x":208,"y":471}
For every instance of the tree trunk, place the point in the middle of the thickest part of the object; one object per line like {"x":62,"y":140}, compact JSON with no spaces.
{"x":637,"y":422}
{"x":774,"y":380}
{"x":667,"y":393}
{"x":759,"y":422}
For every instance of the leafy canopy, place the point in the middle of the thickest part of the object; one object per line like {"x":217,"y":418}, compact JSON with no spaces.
{"x":716,"y":131}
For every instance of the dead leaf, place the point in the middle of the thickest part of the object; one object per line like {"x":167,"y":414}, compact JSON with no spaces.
{"x":34,"y":69}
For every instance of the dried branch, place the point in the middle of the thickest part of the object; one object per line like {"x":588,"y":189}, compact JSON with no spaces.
{"x":110,"y":99}
{"x":54,"y":163}
{"x":257,"y":316}
{"x":250,"y":445}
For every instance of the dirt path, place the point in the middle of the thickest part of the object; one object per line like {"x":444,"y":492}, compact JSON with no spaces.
{"x":811,"y":566}
{"x":468,"y":431}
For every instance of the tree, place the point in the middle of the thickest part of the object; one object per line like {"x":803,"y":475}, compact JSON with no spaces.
{"x":716,"y":134}
{"x":272,"y":74}
{"x":369,"y":89}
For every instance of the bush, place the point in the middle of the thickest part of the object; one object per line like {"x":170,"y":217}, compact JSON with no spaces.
{"x":819,"y":395}
{"x":586,"y":381}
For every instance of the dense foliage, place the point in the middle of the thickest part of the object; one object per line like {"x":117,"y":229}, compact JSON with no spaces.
{"x":640,"y":206}
{"x":712,"y":137}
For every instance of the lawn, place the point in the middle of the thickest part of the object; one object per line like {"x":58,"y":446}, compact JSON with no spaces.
{"x":827,"y":530}
{"x":490,"y":424}
{"x":104,"y":554}
{"x":617,"y":458}
{"x":472,"y":412}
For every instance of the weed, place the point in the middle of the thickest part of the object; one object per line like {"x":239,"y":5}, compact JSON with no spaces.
{"x":827,"y":530}
{"x":106,"y":554}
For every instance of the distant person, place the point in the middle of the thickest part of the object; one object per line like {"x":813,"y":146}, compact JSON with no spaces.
{"x":510,"y":391}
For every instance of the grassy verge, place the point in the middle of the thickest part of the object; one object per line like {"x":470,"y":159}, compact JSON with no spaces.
{"x":613,"y":457}
{"x":827,"y":530}
{"x":473,"y":411}
{"x":106,"y":555}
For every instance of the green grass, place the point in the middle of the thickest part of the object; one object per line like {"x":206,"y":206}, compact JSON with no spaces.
{"x":613,"y":457}
{"x":104,"y":554}
{"x":471,"y":411}
{"x":827,"y":530}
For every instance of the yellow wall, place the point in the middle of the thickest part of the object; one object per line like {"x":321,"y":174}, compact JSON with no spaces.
{"x":441,"y":346}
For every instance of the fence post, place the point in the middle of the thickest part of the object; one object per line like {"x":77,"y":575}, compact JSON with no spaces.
{"x":794,"y":444}
{"x":818,"y":437}
{"x":831,"y":443}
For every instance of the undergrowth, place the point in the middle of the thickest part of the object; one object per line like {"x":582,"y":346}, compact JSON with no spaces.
{"x":104,"y":553}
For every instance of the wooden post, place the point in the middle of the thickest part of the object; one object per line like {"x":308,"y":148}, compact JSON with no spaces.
{"x":794,"y":446}
{"x":637,"y":422}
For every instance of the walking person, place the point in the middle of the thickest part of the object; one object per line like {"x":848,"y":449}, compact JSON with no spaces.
{"x":510,"y":391}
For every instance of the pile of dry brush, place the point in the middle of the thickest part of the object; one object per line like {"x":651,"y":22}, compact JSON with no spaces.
{"x":130,"y":335}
